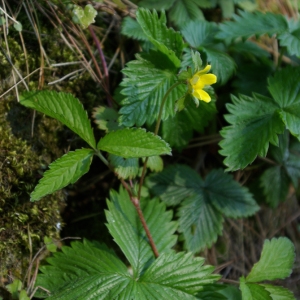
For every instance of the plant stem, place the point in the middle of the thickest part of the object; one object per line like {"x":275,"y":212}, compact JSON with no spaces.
{"x":162,"y":105}
{"x":156,"y":132}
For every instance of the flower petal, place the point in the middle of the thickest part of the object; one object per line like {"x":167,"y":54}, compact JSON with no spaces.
{"x":201,"y":95}
{"x":208,"y":79}
{"x":204,"y":71}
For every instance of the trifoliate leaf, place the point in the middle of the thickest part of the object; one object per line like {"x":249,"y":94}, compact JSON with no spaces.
{"x":63,"y":107}
{"x":84,"y":17}
{"x":155,"y":163}
{"x":248,"y":24}
{"x":124,"y":168}
{"x":276,"y":261}
{"x":200,"y":214}
{"x":252,"y":291}
{"x":133,"y":29}
{"x":127,"y":230}
{"x":278,"y":292}
{"x":146,"y":84}
{"x":106,"y":118}
{"x":65,"y":170}
{"x":133,"y":142}
{"x":185,"y":10}
{"x":199,"y":222}
{"x":275,"y":183}
{"x":166,"y":40}
{"x":291,"y":38}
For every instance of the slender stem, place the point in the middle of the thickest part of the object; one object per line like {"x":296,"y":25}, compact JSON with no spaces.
{"x":136,"y":203}
{"x":163,"y":103}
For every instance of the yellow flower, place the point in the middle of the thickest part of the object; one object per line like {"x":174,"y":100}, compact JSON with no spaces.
{"x":199,"y":81}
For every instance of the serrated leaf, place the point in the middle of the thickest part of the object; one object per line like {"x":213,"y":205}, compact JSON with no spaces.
{"x":124,"y":168}
{"x":63,"y":107}
{"x":155,"y":163}
{"x":65,"y":170}
{"x":275,"y":183}
{"x":276,"y":261}
{"x":199,"y":222}
{"x":166,"y":270}
{"x":291,"y":38}
{"x":96,"y":273}
{"x":126,"y":228}
{"x":106,"y":118}
{"x":255,"y":123}
{"x":132,"y":29}
{"x":185,"y":10}
{"x":84,"y":17}
{"x":278,"y":292}
{"x":252,"y":291}
{"x":148,"y":80}
{"x":228,"y":196}
{"x":166,"y":40}
{"x":133,"y":142}
{"x":248,"y":24}
{"x":200,"y":214}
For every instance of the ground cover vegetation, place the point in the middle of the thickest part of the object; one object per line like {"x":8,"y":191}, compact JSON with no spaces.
{"x":149,"y":150}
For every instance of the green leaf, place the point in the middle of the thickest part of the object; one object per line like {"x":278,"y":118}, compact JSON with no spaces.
{"x":154,"y":4}
{"x":133,"y":142}
{"x":249,"y":24}
{"x":23,"y":295}
{"x":18,"y":26}
{"x":126,"y":228}
{"x":200,"y":214}
{"x":132,"y":29}
{"x":291,"y":38}
{"x":228,"y":196}
{"x":124,"y":168}
{"x":97,"y":273}
{"x":65,"y":170}
{"x":63,"y":107}
{"x":84,"y":17}
{"x":275,"y":183}
{"x":168,"y":268}
{"x":185,"y":10}
{"x":278,"y":292}
{"x":155,"y":163}
{"x":227,"y":7}
{"x":276,"y":261}
{"x":166,"y":40}
{"x":148,"y":80}
{"x":199,"y":223}
{"x":50,"y":244}
{"x":285,"y":89}
{"x":252,"y":291}
{"x":255,"y":123}
{"x":14,"y":288}
{"x":106,"y":118}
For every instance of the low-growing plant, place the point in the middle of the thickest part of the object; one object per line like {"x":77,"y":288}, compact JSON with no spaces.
{"x":169,"y":91}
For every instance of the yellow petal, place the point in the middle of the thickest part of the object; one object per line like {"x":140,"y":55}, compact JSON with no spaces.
{"x":204,"y":71}
{"x":208,"y":79}
{"x":201,"y":95}
{"x":199,"y":84}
